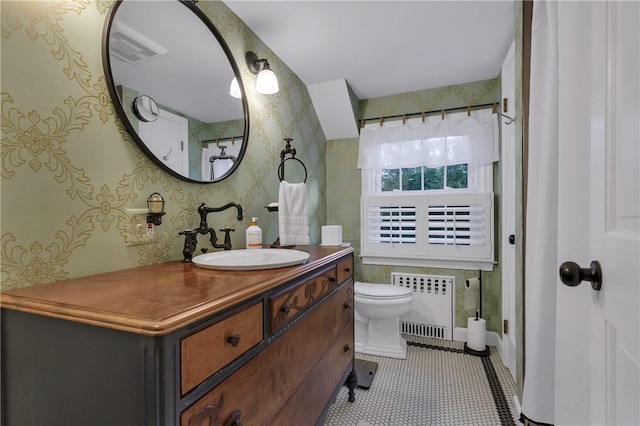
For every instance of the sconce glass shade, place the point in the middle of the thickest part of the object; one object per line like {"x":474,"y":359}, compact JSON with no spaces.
{"x":234,"y":90}
{"x":155,"y":204}
{"x":267,"y":82}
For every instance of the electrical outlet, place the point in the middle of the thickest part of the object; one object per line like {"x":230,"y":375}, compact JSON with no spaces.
{"x":139,"y":231}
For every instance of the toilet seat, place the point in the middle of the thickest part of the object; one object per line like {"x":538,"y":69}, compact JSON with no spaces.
{"x":381,"y":291}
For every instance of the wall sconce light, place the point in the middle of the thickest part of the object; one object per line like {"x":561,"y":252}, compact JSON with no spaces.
{"x":155,"y":204}
{"x":267,"y":82}
{"x":234,"y":90}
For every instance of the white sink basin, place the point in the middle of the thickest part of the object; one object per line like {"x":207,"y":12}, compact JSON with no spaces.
{"x":250,"y":259}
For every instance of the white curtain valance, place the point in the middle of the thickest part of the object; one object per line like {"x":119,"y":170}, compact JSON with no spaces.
{"x":457,"y":139}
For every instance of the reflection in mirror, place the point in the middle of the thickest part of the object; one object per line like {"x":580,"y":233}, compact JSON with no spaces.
{"x":220,"y":155}
{"x":169,"y":54}
{"x":145,"y":108}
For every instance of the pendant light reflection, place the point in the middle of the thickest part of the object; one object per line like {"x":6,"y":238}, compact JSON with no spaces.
{"x":234,"y":90}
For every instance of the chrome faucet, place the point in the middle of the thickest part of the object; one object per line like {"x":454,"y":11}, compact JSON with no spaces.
{"x":190,"y":240}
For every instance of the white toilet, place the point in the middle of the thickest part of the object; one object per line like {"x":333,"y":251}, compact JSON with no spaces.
{"x":377,"y":319}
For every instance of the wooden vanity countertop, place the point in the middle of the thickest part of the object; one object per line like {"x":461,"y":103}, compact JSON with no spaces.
{"x":159,"y":299}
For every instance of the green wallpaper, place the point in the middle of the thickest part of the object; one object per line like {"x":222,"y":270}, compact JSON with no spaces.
{"x":69,"y":169}
{"x":343,"y":205}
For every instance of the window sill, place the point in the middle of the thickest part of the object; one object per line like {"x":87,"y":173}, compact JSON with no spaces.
{"x":467,"y":264}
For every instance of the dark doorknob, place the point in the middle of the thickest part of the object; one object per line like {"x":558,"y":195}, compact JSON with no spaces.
{"x":572,"y":274}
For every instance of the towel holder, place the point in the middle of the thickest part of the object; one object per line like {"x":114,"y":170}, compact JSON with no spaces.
{"x":291,"y":151}
{"x":281,"y":168}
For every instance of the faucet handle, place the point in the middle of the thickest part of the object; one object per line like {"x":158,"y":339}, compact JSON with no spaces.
{"x":227,"y":237}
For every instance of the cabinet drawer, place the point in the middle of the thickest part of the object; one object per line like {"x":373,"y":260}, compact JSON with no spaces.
{"x":289,"y":303}
{"x":345,"y":269}
{"x":265,"y":385}
{"x":207,"y":351}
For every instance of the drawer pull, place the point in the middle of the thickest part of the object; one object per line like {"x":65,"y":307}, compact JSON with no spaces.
{"x":286,"y":308}
{"x":346,"y":305}
{"x":234,"y":419}
{"x":347,"y":269}
{"x":210,"y":412}
{"x":347,"y":350}
{"x":234,"y":340}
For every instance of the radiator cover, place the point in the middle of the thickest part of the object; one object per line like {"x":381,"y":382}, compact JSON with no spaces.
{"x":432,"y":312}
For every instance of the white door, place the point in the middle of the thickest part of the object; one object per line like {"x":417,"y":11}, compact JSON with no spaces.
{"x":598,"y":335}
{"x":168,"y":140}
{"x":508,"y":214}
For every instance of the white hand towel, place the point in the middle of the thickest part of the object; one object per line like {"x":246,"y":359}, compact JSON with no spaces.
{"x":292,"y":214}
{"x":220,"y":167}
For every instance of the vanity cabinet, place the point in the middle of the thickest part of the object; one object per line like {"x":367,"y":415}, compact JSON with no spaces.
{"x":177,"y":345}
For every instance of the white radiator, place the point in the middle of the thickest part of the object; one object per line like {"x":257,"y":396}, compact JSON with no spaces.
{"x":432,"y":311}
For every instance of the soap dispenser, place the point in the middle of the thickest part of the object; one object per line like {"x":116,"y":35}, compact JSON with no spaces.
{"x":254,"y":235}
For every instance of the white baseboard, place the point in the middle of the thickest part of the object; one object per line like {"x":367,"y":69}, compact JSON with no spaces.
{"x":492,"y":338}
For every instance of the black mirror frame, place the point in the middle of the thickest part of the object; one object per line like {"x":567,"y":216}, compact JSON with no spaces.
{"x":119,"y":107}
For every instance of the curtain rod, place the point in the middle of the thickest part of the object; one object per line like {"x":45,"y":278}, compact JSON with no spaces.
{"x":441,"y":111}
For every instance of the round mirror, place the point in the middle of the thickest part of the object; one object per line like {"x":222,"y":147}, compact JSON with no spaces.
{"x":169,"y":73}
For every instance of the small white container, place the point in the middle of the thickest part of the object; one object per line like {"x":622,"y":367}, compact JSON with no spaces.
{"x":332,"y":235}
{"x":254,"y":235}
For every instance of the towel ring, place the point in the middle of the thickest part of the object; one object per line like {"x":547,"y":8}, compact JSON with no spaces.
{"x":281,"y":168}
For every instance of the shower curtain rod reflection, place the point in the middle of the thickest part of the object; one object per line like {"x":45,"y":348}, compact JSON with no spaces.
{"x":231,"y":139}
{"x":468,"y":108}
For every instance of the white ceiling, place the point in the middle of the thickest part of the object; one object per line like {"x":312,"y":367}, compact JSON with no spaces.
{"x":384,"y":47}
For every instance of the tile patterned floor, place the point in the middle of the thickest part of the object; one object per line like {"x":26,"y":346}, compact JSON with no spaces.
{"x":438,"y":384}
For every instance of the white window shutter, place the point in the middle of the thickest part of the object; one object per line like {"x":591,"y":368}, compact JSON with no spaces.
{"x":435,"y":227}
{"x":391,"y":224}
{"x":459,"y":226}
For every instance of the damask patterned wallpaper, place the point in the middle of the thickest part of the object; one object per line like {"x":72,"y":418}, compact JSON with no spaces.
{"x":343,"y":201}
{"x":69,"y":169}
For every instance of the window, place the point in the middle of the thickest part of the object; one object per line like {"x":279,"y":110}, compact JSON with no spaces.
{"x":424,"y":178}
{"x":422,"y":208}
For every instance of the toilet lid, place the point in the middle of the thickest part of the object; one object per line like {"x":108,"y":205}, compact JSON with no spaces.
{"x":381,"y":290}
